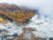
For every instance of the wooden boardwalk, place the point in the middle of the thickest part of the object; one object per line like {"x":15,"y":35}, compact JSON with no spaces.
{"x":27,"y":35}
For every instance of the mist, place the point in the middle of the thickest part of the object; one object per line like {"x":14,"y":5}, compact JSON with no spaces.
{"x":45,"y":7}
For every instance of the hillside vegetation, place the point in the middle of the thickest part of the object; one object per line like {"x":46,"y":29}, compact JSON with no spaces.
{"x":15,"y":12}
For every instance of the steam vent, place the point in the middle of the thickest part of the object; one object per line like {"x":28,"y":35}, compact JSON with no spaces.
{"x":27,"y":35}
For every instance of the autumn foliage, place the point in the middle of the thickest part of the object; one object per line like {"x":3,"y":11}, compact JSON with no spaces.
{"x":15,"y":13}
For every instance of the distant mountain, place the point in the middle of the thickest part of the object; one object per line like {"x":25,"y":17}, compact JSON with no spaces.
{"x":28,"y":9}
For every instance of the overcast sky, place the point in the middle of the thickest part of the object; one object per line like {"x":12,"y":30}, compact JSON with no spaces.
{"x":29,"y":3}
{"x":44,"y":6}
{"x":33,"y":3}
